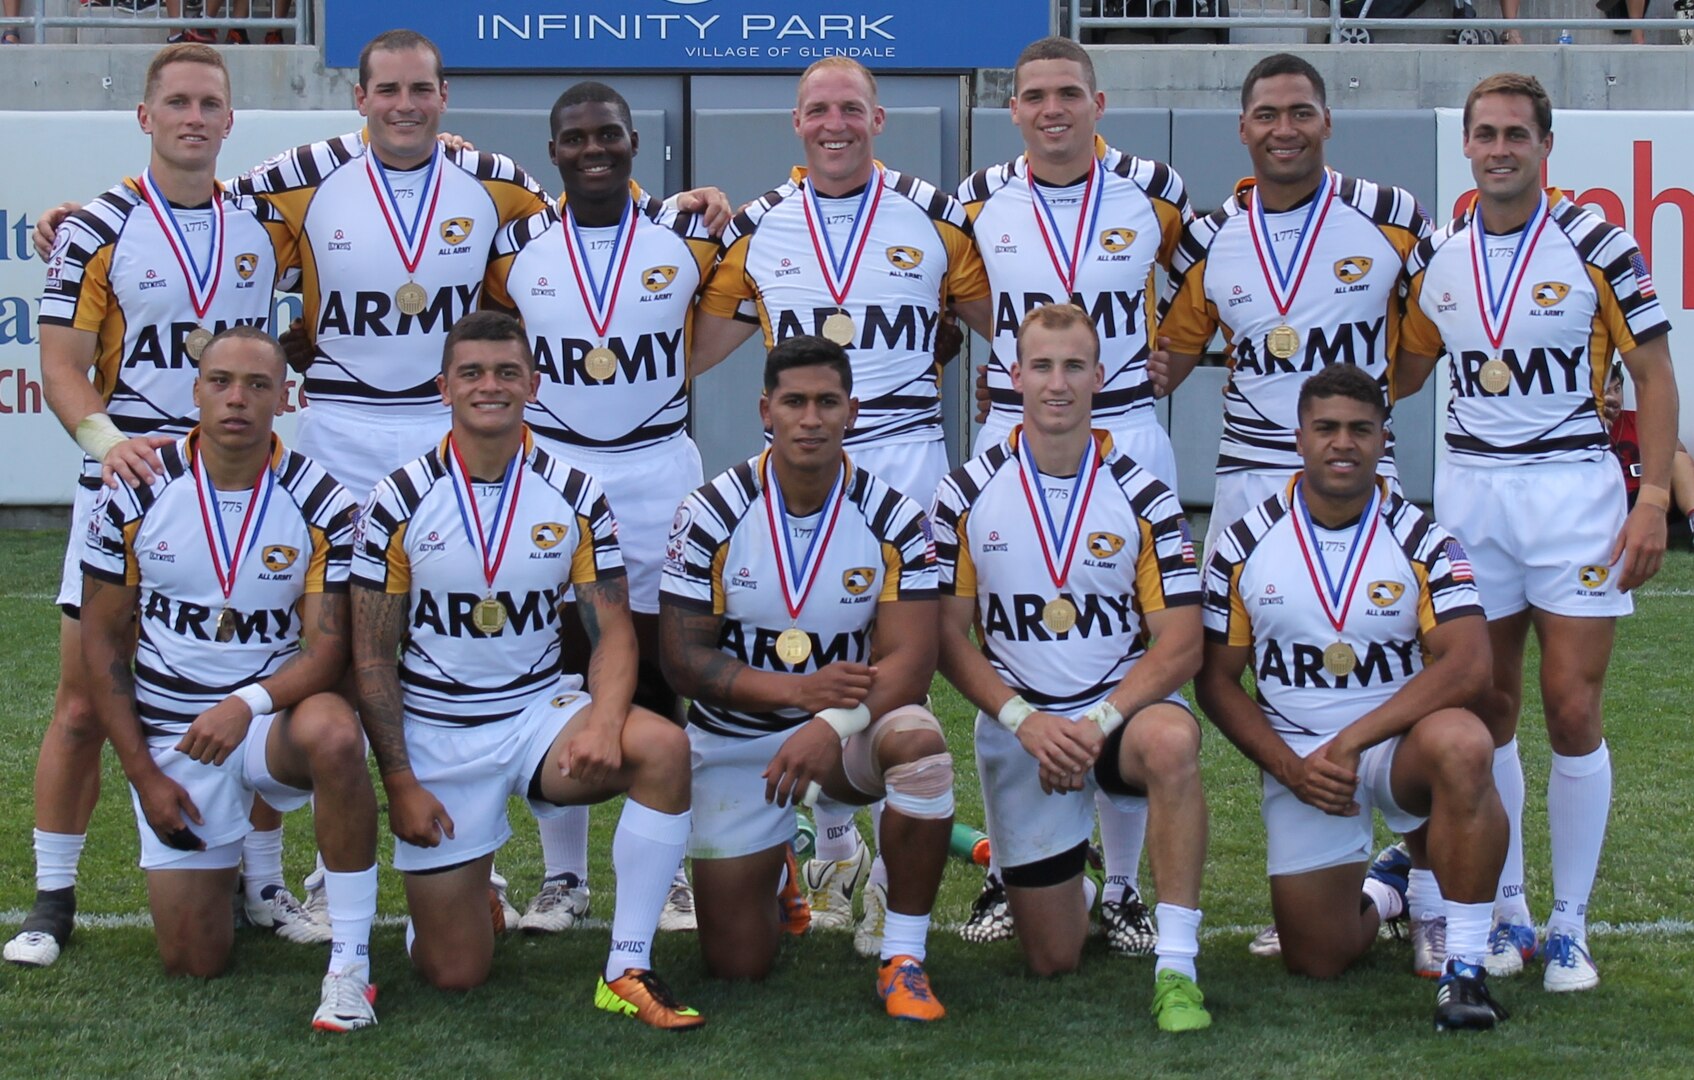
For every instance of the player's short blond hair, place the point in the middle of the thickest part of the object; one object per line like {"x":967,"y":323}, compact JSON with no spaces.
{"x":1059,"y":317}
{"x":836,"y":63}
{"x":1510,"y":82}
{"x":185,"y":52}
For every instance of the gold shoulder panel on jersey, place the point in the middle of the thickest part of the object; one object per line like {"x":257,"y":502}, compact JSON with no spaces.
{"x":1391,"y":209}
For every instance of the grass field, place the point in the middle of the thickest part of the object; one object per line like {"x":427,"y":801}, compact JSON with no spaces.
{"x":105,"y":1009}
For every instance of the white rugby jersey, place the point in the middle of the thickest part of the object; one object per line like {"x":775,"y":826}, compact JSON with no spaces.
{"x":154,"y":538}
{"x":1584,"y":290}
{"x":367,"y":353}
{"x":1259,"y":592}
{"x":1134,"y":225}
{"x":917,"y":260}
{"x":645,"y":400}
{"x":722,"y":560}
{"x":1346,"y":308}
{"x":1135,"y":555}
{"x":114,"y":273}
{"x":413,"y":541}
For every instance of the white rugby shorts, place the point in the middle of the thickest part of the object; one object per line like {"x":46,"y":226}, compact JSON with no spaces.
{"x":76,"y":546}
{"x":914,"y":469}
{"x":360,"y":447}
{"x":1300,"y":838}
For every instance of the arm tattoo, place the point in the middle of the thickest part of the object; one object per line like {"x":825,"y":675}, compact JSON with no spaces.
{"x":690,"y":646}
{"x":607,"y":592}
{"x":379,"y":620}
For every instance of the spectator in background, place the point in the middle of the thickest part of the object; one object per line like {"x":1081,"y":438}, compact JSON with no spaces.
{"x":1620,"y":425}
{"x":173,"y":12}
{"x":9,"y":36}
{"x":1509,"y":10}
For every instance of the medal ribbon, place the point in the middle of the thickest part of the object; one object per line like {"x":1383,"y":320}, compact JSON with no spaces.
{"x":845,"y":268}
{"x":408,"y":240}
{"x":1329,"y":592}
{"x":797,"y":578}
{"x":1505,"y":300}
{"x":202,"y":284}
{"x":212,"y":520}
{"x":1275,"y":277}
{"x":623,"y":242}
{"x":463,"y":492}
{"x":1067,"y":262}
{"x":1063,"y":539}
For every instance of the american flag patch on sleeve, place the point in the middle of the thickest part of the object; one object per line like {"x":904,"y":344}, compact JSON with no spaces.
{"x":1643,"y":276}
{"x":1458,"y":561}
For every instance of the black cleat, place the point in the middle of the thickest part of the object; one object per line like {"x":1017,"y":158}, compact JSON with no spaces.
{"x":991,"y":915}
{"x":1462,"y":1001}
{"x":46,"y":930}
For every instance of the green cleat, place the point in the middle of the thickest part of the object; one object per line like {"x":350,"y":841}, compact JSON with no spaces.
{"x":1178,"y":1004}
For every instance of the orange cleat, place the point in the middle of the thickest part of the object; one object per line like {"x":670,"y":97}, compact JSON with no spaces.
{"x":642,"y":995}
{"x":904,"y":989}
{"x":795,"y":910}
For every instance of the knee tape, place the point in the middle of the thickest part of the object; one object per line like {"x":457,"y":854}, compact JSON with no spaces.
{"x":923,"y":788}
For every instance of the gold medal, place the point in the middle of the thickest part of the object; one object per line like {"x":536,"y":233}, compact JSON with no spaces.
{"x":1340,"y":659}
{"x":1283,"y":342}
{"x":411,"y":298}
{"x":1496,"y":376}
{"x":226,"y":625}
{"x":1059,"y":615}
{"x":839,"y":328}
{"x":601,"y":364}
{"x":793,"y":646}
{"x":195,"y":344}
{"x":489,"y":615}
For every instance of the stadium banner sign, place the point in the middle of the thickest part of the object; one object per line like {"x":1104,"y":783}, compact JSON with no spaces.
{"x":1633,"y":168}
{"x":697,"y":35}
{"x":41,"y":460}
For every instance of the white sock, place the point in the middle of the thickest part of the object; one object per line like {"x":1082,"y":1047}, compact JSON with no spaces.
{"x":645,"y":851}
{"x":1509,"y":902}
{"x":1179,"y":939}
{"x":352,"y":909}
{"x":56,"y":858}
{"x":681,"y":876}
{"x":411,"y":933}
{"x":1389,"y":904}
{"x":1579,"y":798}
{"x":904,"y":935}
{"x":1122,"y":833}
{"x":879,"y":873}
{"x":1090,"y":892}
{"x":261,"y":862}
{"x":1467,"y":931}
{"x":876,"y":826}
{"x":564,"y":844}
{"x":838,"y":833}
{"x":1423,"y":896}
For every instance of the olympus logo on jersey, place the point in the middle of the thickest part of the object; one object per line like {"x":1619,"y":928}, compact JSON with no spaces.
{"x":1300,"y":664}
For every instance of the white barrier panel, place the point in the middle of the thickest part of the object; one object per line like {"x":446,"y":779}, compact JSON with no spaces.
{"x":60,"y":156}
{"x":1629,"y":168}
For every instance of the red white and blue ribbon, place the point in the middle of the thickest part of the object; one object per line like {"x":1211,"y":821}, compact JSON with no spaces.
{"x":1495,"y":306}
{"x":1058,"y":546}
{"x":797,"y":576}
{"x":202,"y":281}
{"x":1067,"y":259}
{"x":839,"y":271}
{"x":409,"y":236}
{"x":1285,"y":284}
{"x":599,"y":298}
{"x":1335,"y":596}
{"x":226,"y":560}
{"x":491,"y":550}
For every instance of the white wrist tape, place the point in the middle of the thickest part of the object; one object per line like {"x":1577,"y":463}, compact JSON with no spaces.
{"x":814,"y":792}
{"x":1106,"y":715}
{"x":96,"y":434}
{"x":847,"y":722}
{"x":1014,"y":712}
{"x":256,"y":698}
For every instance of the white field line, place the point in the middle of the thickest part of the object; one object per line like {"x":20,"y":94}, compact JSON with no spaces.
{"x":1658,"y":928}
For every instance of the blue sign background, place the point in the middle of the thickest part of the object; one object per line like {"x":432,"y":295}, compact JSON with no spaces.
{"x":696,"y":35}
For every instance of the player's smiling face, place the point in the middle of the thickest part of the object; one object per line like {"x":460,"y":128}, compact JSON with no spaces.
{"x":594,"y":149}
{"x":838,"y":119}
{"x":486,"y":384}
{"x":1057,"y":372}
{"x":239,"y":391}
{"x":1056,"y":111}
{"x":1505,"y":146}
{"x":1284,"y":128}
{"x":188,"y":115}
{"x":808,"y":413}
{"x":1340,"y":441}
{"x":402,"y":104}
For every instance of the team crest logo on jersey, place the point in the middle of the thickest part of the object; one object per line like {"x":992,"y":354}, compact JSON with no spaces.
{"x":1549,"y":293}
{"x":457,"y":230}
{"x":245,"y":264}
{"x":1384,"y":593}
{"x":1103,"y":545}
{"x":656,"y":278}
{"x":1115,"y":240}
{"x":547,"y":534}
{"x":1351,"y":269}
{"x":904,"y":258}
{"x":563,"y":699}
{"x":858,"y":579}
{"x":279,"y":557}
{"x":1593,"y":577}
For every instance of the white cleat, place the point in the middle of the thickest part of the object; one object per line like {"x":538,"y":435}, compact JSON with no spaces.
{"x":867,"y":939}
{"x":1569,"y":967}
{"x":348,"y":1001}
{"x":500,"y":909}
{"x":281,"y":912}
{"x":32,"y":948}
{"x":316,"y":898}
{"x":1266,"y":942}
{"x":1510,"y":944}
{"x":1429,"y":947}
{"x":830,"y":887}
{"x":677,"y":916}
{"x":561,"y":904}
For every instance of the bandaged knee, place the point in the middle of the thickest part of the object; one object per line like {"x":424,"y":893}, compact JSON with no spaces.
{"x":923,"y":788}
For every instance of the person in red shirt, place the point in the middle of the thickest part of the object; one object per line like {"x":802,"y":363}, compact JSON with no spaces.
{"x":1620,"y":424}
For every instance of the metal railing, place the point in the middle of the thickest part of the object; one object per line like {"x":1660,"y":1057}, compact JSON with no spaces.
{"x":1086,"y":15}
{"x":144,"y":14}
